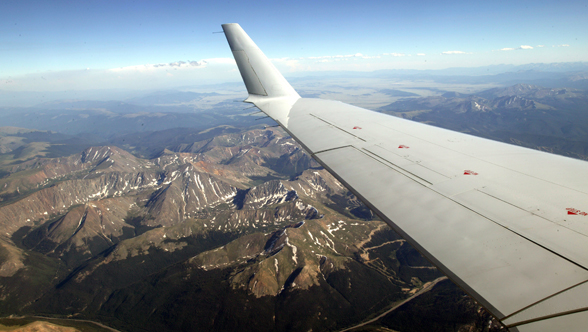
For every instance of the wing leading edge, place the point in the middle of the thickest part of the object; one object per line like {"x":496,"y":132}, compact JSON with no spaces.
{"x":507,"y":224}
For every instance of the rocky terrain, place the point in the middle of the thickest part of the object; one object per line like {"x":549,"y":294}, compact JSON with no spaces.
{"x":548,"y":119}
{"x":228,"y":228}
{"x":240,"y":230}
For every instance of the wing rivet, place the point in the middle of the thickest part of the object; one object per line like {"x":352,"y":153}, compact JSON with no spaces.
{"x":468,"y":172}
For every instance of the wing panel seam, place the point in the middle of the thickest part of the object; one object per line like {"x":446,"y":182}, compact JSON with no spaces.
{"x":331,"y":149}
{"x":256,"y":76}
{"x":483,"y":160}
{"x":389,"y":164}
{"x":512,"y":230}
{"x":534,"y":214}
{"x":334,"y":125}
{"x":544,"y":299}
{"x":537,"y":319}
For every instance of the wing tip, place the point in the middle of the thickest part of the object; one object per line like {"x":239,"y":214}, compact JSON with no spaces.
{"x":260,"y":76}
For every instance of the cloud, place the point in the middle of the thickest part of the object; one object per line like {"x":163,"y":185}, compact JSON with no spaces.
{"x":145,"y":76}
{"x":453,"y":52}
{"x":356,"y":55}
{"x":563,"y":45}
{"x":174,"y":65}
{"x":540,"y":45}
{"x":292,"y":64}
{"x":186,"y":63}
{"x":395,"y":54}
{"x":340,"y":57}
{"x":522,"y":47}
{"x":421,"y":54}
{"x":158,"y":66}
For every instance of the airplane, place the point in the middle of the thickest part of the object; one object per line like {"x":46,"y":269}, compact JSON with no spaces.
{"x":507,"y":224}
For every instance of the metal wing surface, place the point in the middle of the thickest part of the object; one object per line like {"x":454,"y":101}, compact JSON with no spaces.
{"x":509,"y":225}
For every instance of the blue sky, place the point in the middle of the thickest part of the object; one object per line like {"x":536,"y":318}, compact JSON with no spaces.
{"x":56,"y":45}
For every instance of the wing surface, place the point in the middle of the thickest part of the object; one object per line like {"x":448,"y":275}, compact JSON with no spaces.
{"x":509,"y":225}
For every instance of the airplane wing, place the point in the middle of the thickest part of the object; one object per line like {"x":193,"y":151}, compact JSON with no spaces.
{"x":509,"y":225}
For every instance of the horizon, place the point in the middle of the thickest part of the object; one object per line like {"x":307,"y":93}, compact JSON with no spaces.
{"x":450,"y":79}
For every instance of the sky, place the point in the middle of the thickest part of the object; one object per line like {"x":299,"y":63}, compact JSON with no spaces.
{"x":84,"y":45}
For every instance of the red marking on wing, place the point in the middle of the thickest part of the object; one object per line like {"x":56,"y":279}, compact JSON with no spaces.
{"x":576,"y":212}
{"x":356,"y":127}
{"x":468,"y":172}
{"x":403,"y":147}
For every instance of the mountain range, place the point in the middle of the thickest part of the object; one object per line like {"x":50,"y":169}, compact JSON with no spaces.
{"x":239,"y":230}
{"x":228,"y":224}
{"x":553,"y":120}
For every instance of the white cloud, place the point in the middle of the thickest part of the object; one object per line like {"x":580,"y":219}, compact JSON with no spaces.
{"x":540,"y":45}
{"x":356,"y":55}
{"x":345,"y":57}
{"x":522,"y":47}
{"x":563,"y":45}
{"x":395,"y":54}
{"x":421,"y":54}
{"x":292,"y":64}
{"x":175,"y":65}
{"x":152,"y":67}
{"x":146,"y":76}
{"x":453,"y":52}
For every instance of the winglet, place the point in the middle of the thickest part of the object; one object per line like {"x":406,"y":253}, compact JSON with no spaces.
{"x":259,"y":74}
